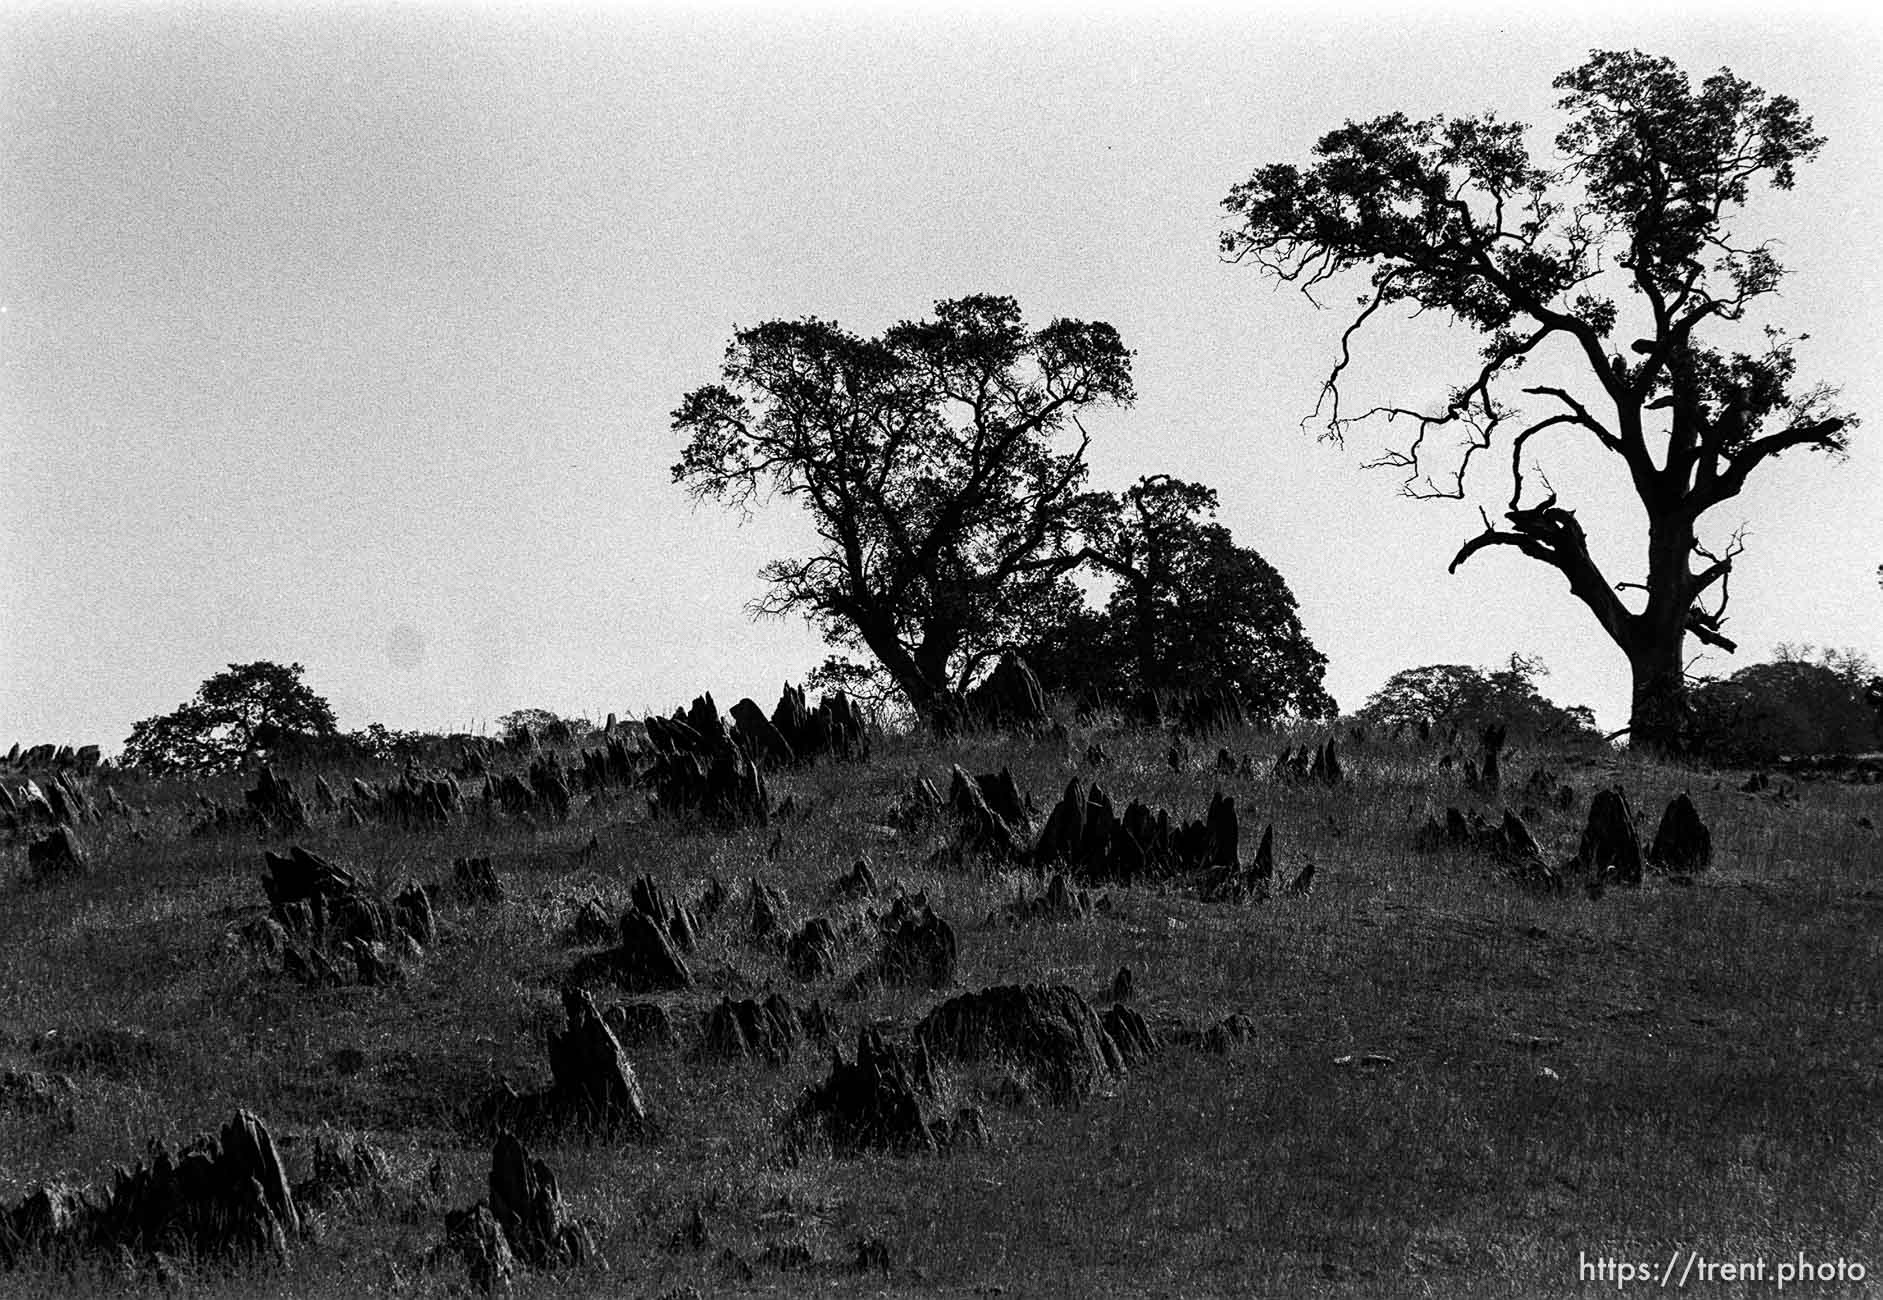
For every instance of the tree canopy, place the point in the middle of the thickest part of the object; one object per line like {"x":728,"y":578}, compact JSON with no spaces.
{"x":1801,"y":702}
{"x":939,"y":464}
{"x":1191,"y":611}
{"x":1456,"y":697}
{"x":246,"y":709}
{"x":1454,"y":216}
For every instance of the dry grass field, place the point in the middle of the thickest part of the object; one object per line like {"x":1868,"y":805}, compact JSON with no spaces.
{"x":1456,"y":1086}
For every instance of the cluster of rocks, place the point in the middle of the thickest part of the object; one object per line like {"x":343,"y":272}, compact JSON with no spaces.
{"x":1087,"y":835}
{"x":1047,"y":1038}
{"x":1315,"y":763}
{"x":593,"y":1090}
{"x":768,"y":1032}
{"x":992,"y":812}
{"x":220,"y":1198}
{"x":47,"y":758}
{"x":1608,"y":852}
{"x":62,"y":800}
{"x":522,"y":1222}
{"x":540,"y":791}
{"x":327,"y":926}
{"x":1484,"y":775}
{"x":1059,"y":901}
{"x":651,"y":937}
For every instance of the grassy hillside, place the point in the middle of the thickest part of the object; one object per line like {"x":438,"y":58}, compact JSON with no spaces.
{"x":1456,"y":1087}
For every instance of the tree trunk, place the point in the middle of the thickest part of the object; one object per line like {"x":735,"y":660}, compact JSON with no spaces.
{"x":1658,"y":714}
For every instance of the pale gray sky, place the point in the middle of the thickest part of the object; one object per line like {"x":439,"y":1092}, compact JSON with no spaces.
{"x":348,"y":335}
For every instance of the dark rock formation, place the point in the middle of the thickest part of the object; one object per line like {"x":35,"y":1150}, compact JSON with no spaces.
{"x":641,"y":1024}
{"x":644,"y":961}
{"x":1233,"y":883}
{"x":274,"y":804}
{"x":1049,"y":1032}
{"x":475,"y":880}
{"x":811,"y":953}
{"x":1135,"y":1042}
{"x":859,"y":883}
{"x":768,"y":1031}
{"x":59,"y":853}
{"x":1010,"y":696}
{"x":918,"y":949}
{"x":869,"y":1104}
{"x":983,"y":828}
{"x":1610,"y":849}
{"x":759,"y":737}
{"x":222,"y":1198}
{"x":1059,"y":901}
{"x":594,"y":1090}
{"x":646,"y":897}
{"x":1682,"y":844}
{"x":768,"y":911}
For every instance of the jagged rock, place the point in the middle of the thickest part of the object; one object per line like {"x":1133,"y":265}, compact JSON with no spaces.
{"x":644,"y":961}
{"x":476,"y":880}
{"x":918,"y":950}
{"x":594,"y":1090}
{"x":750,"y":1030}
{"x":1011,"y":696}
{"x":983,"y":829}
{"x":324,"y":798}
{"x":480,"y":1242}
{"x":60,"y":853}
{"x":1682,"y":844}
{"x":1223,"y":1036}
{"x":1059,"y":901}
{"x":274,"y":803}
{"x":1325,"y":765}
{"x":1513,"y":842}
{"x":1133,"y":1037}
{"x":869,"y":1104}
{"x":641,"y":1024}
{"x":1302,"y":886}
{"x":759,"y":737}
{"x":1234,"y":883}
{"x":1048,"y":1031}
{"x":593,"y":923}
{"x":218,"y":1198}
{"x":859,"y":883}
{"x":811,"y":953}
{"x":646,"y":897}
{"x":528,"y":1207}
{"x":769,"y":909}
{"x":1609,"y":846}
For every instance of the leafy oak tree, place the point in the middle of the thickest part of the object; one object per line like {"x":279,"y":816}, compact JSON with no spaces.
{"x":248,"y":708}
{"x":1453,"y":217}
{"x":1191,"y":610}
{"x":940,"y":464}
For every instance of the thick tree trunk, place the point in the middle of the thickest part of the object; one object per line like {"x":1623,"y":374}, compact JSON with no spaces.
{"x":1656,"y":650}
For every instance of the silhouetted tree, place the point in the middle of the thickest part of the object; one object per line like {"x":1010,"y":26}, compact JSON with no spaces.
{"x":1455,"y":697}
{"x":247,"y":709}
{"x":1802,"y":702}
{"x":1453,"y":217}
{"x":1191,"y":610}
{"x":931,"y":465}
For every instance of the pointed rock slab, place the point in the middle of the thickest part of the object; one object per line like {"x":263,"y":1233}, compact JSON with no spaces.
{"x":1133,"y":1037}
{"x":645,"y":960}
{"x":528,"y":1206}
{"x":274,"y":803}
{"x":748,"y":1030}
{"x":1610,"y":848}
{"x":811,"y":953}
{"x":1238,"y":884}
{"x":222,"y":1198}
{"x":1047,"y":1030}
{"x":59,"y":853}
{"x":480,"y":1242}
{"x":983,"y":829}
{"x":859,"y":883}
{"x":759,"y":737}
{"x":641,"y":1024}
{"x":1683,"y":844}
{"x":768,"y":913}
{"x":870,"y":1104}
{"x":1010,"y":697}
{"x":476,"y":880}
{"x":595,"y":1088}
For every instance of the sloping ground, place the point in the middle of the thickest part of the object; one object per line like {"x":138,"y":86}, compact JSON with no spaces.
{"x":1452,"y":1086}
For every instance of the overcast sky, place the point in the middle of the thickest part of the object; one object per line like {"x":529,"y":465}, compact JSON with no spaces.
{"x":348,"y":336}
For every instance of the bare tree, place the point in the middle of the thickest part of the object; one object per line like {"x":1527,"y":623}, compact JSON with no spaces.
{"x":1453,"y":217}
